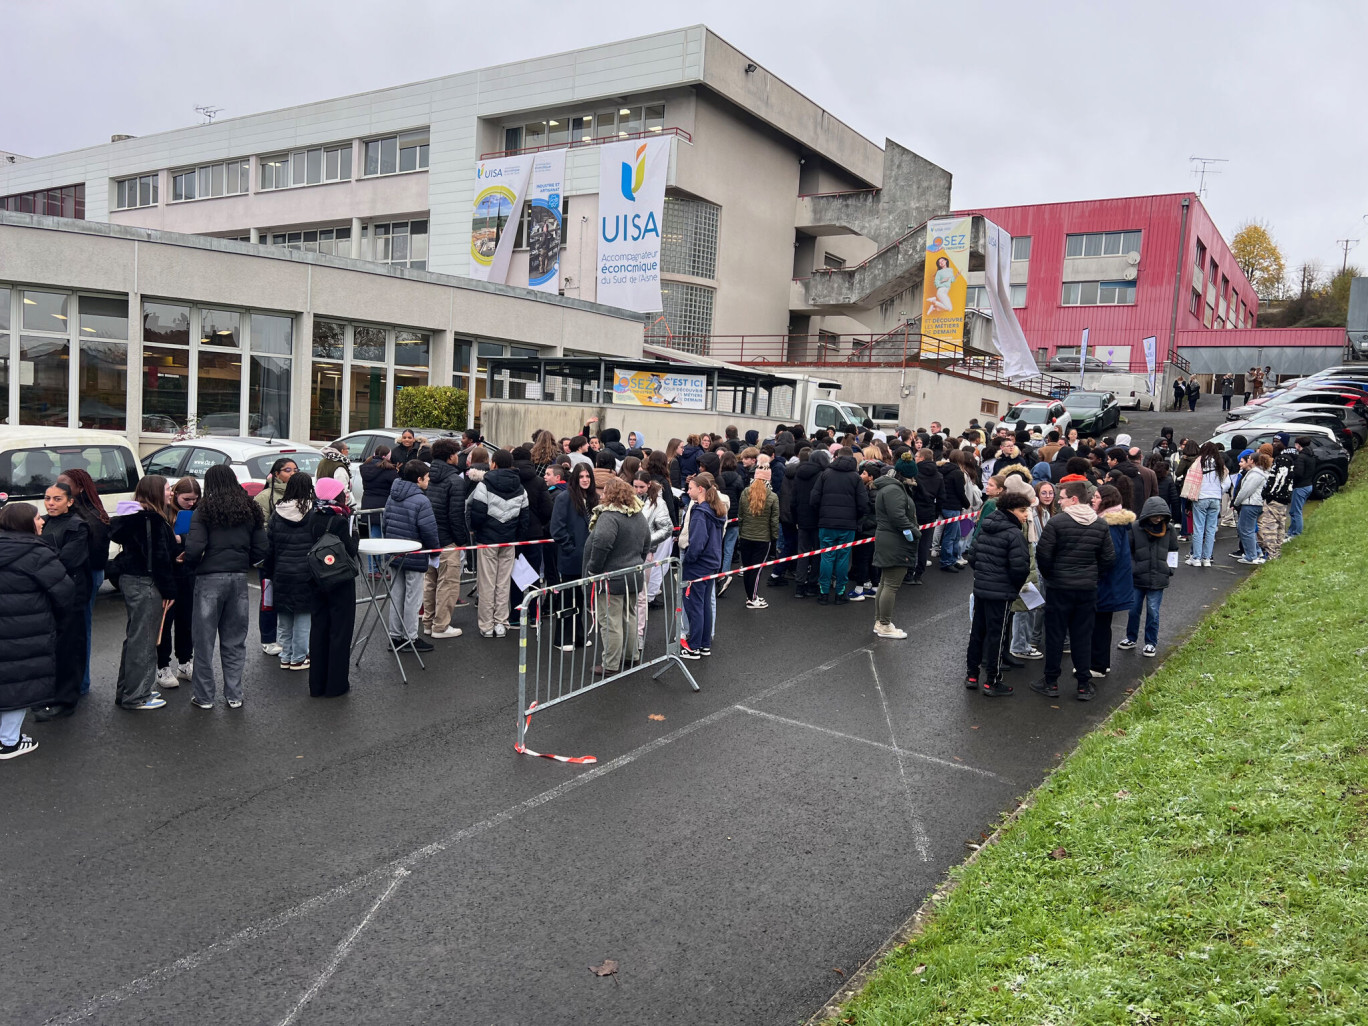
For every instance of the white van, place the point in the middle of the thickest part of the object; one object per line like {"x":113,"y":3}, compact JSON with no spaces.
{"x":32,"y":457}
{"x":1131,"y":390}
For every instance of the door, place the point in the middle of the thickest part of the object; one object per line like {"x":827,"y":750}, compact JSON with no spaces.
{"x":166,"y":462}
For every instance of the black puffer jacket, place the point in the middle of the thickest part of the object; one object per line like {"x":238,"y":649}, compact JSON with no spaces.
{"x":447,"y":490}
{"x":930,"y":488}
{"x":70,"y":539}
{"x":1001,"y":558}
{"x":498,"y":508}
{"x":225,"y":550}
{"x":287,"y":560}
{"x":538,"y":499}
{"x":731,"y":484}
{"x":98,"y":531}
{"x":839,"y":496}
{"x":953,"y":496}
{"x":1149,"y":552}
{"x":156,"y":560}
{"x":376,"y":478}
{"x":35,"y":593}
{"x":804,"y":513}
{"x":1073,"y":555}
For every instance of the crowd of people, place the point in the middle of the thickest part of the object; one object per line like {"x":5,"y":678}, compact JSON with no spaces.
{"x":1189,"y":390}
{"x":1061,"y":534}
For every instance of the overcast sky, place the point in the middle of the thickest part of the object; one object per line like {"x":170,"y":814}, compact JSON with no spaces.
{"x":1022,"y":102}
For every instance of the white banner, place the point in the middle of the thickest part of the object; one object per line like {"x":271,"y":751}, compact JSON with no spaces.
{"x":647,"y":388}
{"x":500,"y":187}
{"x":1017,"y":359}
{"x":545,"y":229}
{"x":1083,"y":359}
{"x":631,"y":206}
{"x":1149,"y":344}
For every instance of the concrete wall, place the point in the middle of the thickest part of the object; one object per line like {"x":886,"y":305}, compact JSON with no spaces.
{"x":509,"y":421}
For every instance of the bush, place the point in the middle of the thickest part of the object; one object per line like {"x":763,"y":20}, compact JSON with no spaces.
{"x":431,"y":406}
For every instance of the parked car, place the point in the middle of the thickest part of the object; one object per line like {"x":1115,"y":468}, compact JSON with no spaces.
{"x":1092,"y":412}
{"x":1343,"y":396}
{"x":1042,"y":413}
{"x":1349,"y":427}
{"x":361,"y":445}
{"x":1070,"y":363}
{"x":1332,"y":459}
{"x":32,"y":457}
{"x":249,"y":458}
{"x":1131,"y":390}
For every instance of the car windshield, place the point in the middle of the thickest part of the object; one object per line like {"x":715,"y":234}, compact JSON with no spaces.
{"x":1030,"y":414}
{"x":1082,"y":402}
{"x":25,"y":474}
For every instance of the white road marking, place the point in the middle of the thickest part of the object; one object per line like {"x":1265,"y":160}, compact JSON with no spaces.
{"x":920,"y":837}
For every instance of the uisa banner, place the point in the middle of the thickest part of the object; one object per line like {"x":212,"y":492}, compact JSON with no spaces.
{"x":545,"y":230}
{"x":944,"y":286}
{"x":500,"y":186}
{"x":631,"y":205}
{"x":647,"y":388}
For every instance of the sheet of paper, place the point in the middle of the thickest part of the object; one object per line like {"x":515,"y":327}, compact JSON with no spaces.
{"x":524,"y":575}
{"x":1173,"y":559}
{"x":1031,"y":595}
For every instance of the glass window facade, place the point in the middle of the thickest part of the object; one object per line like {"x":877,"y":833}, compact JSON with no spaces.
{"x":315,"y":166}
{"x":355,"y":369}
{"x":688,"y":242}
{"x":395,"y":154}
{"x":141,"y":191}
{"x":209,"y":180}
{"x":687,"y":313}
{"x":1097,"y":244}
{"x":66,"y":201}
{"x":1098,"y":293}
{"x":578,"y":127}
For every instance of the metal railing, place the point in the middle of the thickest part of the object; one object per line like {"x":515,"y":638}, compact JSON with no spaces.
{"x":579,"y":144}
{"x":576,"y":636}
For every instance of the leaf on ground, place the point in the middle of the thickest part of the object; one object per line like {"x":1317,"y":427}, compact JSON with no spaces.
{"x":838,"y":972}
{"x":974,"y":727}
{"x":919,"y":970}
{"x":657,"y":717}
{"x":1060,"y":853}
{"x":1123,"y":794}
{"x":608,"y":968}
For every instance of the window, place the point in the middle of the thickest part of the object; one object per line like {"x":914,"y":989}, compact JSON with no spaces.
{"x":136,"y":192}
{"x":976,"y":297}
{"x":355,"y":366}
{"x":1098,"y":244}
{"x":166,"y":367}
{"x":688,"y":242}
{"x":570,"y":128}
{"x":833,"y":261}
{"x":400,"y":243}
{"x":27,"y":473}
{"x":395,"y":154}
{"x":688,"y":311}
{"x":73,"y":359}
{"x":1195,"y":302}
{"x":335,"y":241}
{"x":1021,"y":247}
{"x":67,"y":201}
{"x":1208,"y":315}
{"x":227,"y":179}
{"x":305,"y":167}
{"x":988,"y":407}
{"x":1098,"y":293}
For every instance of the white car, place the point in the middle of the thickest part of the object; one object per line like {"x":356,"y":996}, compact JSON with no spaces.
{"x":32,"y":457}
{"x":1046,"y":414}
{"x":1229,"y":431}
{"x":249,"y":458}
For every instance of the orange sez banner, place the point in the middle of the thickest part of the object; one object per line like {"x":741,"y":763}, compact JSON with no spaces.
{"x":944,"y":286}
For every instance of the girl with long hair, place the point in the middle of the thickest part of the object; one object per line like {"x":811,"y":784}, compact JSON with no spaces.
{"x":570,"y":531}
{"x":701,"y":540}
{"x":178,"y":630}
{"x":147,"y":581}
{"x":281,"y":471}
{"x":544,"y":452}
{"x":1206,"y":509}
{"x":332,"y":609}
{"x":289,"y":538}
{"x":67,"y":534}
{"x":659,"y":468}
{"x":628,"y":470}
{"x":759,"y":530}
{"x":672,"y":450}
{"x":657,"y":514}
{"x":90,"y":509}
{"x":227,"y":538}
{"x":730,"y":483}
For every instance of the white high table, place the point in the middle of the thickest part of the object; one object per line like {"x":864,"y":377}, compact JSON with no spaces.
{"x":384,"y":549}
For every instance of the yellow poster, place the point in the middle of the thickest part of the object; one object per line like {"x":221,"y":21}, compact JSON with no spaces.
{"x":944,"y":287}
{"x":649,"y":388}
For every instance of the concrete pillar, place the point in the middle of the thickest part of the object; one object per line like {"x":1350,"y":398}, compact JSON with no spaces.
{"x":356,"y":239}
{"x":133,"y":401}
{"x":301,"y":378}
{"x":254,"y":236}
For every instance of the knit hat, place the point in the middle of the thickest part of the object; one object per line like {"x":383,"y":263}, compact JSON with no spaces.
{"x":906,"y":466}
{"x":1246,"y":453}
{"x":328,"y":488}
{"x":1266,"y":449}
{"x":1284,"y":437}
{"x":1015,"y":485}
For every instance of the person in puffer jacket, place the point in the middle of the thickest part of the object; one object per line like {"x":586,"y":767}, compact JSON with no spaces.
{"x":811,"y":463}
{"x":1249,"y":501}
{"x":447,"y":489}
{"x":409,"y":517}
{"x":1001,"y":561}
{"x":619,"y":539}
{"x":842,"y":500}
{"x":701,"y":541}
{"x":498,"y":512}
{"x":1154,"y":554}
{"x":289,"y":538}
{"x":661,"y":526}
{"x":1115,"y":592}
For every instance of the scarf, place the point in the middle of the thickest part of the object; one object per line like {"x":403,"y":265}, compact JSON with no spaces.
{"x":629,"y":510}
{"x":1081,"y":512}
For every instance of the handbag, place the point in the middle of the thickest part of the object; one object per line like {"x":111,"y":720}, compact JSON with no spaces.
{"x":1192,"y":483}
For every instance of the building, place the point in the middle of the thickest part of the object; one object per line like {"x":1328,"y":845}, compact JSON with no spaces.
{"x":389,"y":176}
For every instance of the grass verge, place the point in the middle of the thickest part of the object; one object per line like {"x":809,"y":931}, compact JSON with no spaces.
{"x":1200,"y":858}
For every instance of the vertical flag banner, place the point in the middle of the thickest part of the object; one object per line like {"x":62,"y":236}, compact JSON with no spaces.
{"x":1150,"y":364}
{"x":500,"y":188}
{"x":1083,"y":358}
{"x":945,"y":285}
{"x":545,"y":230}
{"x":1017,"y":359}
{"x":631,"y":207}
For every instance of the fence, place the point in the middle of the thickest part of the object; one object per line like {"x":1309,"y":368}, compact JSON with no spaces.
{"x":576,"y":636}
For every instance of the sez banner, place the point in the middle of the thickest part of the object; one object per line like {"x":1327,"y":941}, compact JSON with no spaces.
{"x":944,"y":286}
{"x":646,"y":388}
{"x":631,"y":206}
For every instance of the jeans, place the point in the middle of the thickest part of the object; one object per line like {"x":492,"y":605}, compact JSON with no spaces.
{"x":1299,"y":497}
{"x":406,"y":597}
{"x":1225,"y":401}
{"x":890,"y":580}
{"x":729,"y":540}
{"x":1028,"y":628}
{"x":1148,"y":599}
{"x":834,"y":564}
{"x":97,"y":579}
{"x":138,"y":661}
{"x":1206,"y":515}
{"x":11,"y":724}
{"x":952,"y":540}
{"x":220,"y":615}
{"x":1248,"y":528}
{"x":292,"y":631}
{"x":1069,"y":612}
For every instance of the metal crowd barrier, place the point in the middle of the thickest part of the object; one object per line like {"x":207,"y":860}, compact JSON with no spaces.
{"x":576,"y":636}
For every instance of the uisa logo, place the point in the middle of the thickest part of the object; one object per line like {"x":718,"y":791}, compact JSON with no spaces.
{"x":479,"y":171}
{"x":633,"y":177}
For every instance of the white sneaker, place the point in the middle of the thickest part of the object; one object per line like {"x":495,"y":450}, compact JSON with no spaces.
{"x":166,"y":678}
{"x":500,"y":630}
{"x":450,"y":632}
{"x":1149,"y":650}
{"x":1206,"y":562}
{"x":756,"y":603}
{"x":186,"y":670}
{"x":1192,"y":562}
{"x":427,"y":628}
{"x":272,"y":649}
{"x":887,"y":630}
{"x":961,"y":561}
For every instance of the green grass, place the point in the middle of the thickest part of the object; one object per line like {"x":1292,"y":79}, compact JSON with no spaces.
{"x":1214,"y":868}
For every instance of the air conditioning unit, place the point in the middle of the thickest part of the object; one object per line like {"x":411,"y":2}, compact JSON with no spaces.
{"x":1129,"y":274}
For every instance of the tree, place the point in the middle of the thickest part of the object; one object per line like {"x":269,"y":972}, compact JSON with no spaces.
{"x":431,"y":406}
{"x":1260,"y":259}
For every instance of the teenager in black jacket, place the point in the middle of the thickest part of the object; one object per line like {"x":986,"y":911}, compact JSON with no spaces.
{"x":1001,"y":560}
{"x":90,"y":508}
{"x":332,"y":609}
{"x":811,"y":463}
{"x":841,"y":500}
{"x":289,"y":539}
{"x":70,"y":539}
{"x":447,"y":491}
{"x":930,"y":488}
{"x":147,"y":581}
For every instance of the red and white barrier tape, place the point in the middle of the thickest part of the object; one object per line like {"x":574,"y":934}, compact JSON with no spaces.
{"x":581,"y":760}
{"x":817,"y":552}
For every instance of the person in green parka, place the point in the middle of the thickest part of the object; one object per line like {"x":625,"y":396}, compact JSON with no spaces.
{"x":895,"y":539}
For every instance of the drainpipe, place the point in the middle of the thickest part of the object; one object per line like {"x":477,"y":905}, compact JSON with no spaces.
{"x":1178,"y":280}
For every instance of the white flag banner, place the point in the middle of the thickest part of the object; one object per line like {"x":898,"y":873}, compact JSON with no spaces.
{"x":500,"y":188}
{"x":1017,"y":359}
{"x":1149,"y":344}
{"x":545,"y":229}
{"x":1083,"y":359}
{"x":631,"y":206}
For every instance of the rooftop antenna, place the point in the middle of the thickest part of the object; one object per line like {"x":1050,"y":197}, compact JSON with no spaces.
{"x":1203,"y":169}
{"x":207,"y":112}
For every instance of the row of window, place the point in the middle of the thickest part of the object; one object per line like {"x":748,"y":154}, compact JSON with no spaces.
{"x":1094,"y":244}
{"x":688,"y":242}
{"x":67,"y":201}
{"x":584,"y":126}
{"x":1098,"y":293}
{"x":388,"y":155}
{"x":1219,"y":307}
{"x":399,"y":243}
{"x":976,"y":297}
{"x":686,"y":315}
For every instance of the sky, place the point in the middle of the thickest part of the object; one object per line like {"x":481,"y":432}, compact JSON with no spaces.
{"x":1021,"y":102}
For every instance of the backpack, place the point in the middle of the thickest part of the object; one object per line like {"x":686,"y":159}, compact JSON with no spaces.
{"x":329,"y":561}
{"x":1279,"y":485}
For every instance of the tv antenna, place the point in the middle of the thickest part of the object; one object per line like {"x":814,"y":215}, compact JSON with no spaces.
{"x":207,"y":112}
{"x":1203,"y":169}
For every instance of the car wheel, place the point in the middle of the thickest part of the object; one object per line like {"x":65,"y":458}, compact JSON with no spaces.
{"x":1325,"y":484}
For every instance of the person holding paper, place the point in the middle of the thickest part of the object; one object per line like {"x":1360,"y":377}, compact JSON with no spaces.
{"x":1001,"y":561}
{"x":1154,"y":557}
{"x":177,"y":632}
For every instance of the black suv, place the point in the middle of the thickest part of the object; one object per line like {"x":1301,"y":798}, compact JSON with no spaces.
{"x":1332,"y":461}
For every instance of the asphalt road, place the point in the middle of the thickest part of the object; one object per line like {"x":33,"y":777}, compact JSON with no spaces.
{"x":387,"y":857}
